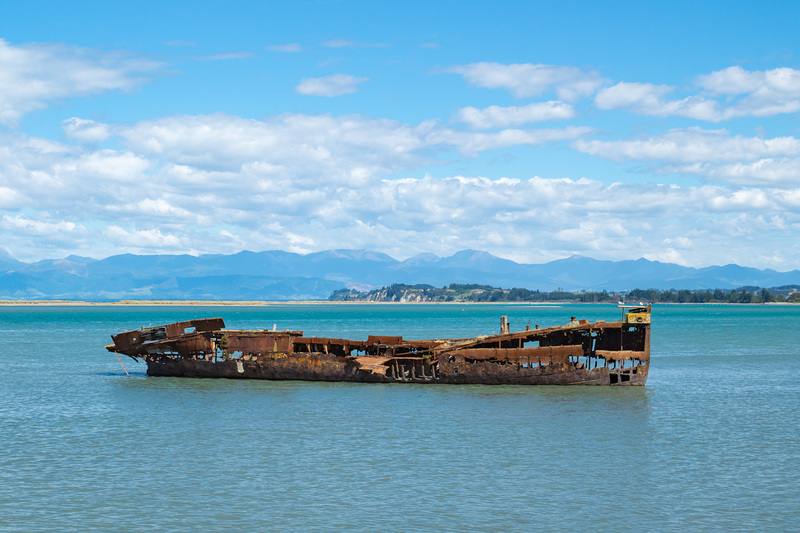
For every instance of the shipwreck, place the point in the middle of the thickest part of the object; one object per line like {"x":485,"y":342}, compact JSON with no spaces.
{"x":578,"y":353}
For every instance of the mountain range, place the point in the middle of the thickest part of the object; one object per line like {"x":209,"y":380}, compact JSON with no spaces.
{"x":279,"y":276}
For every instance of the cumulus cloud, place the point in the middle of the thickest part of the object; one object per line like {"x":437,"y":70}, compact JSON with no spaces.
{"x":191,"y":173}
{"x":45,"y":174}
{"x":33,"y":75}
{"x":144,"y":240}
{"x":781,"y":172}
{"x":220,"y":183}
{"x":714,"y":154}
{"x":473,"y":143}
{"x":87,"y":131}
{"x":741,"y":200}
{"x":106,"y":166}
{"x":501,"y":117}
{"x":763,"y":93}
{"x":648,"y":99}
{"x":758,"y":93}
{"x":526,"y":79}
{"x":37,"y":227}
{"x":11,"y":199}
{"x":317,"y":148}
{"x":334,"y":85}
{"x":152,"y":204}
{"x":692,"y":145}
{"x":736,"y":80}
{"x":42,"y":232}
{"x":292,"y":146}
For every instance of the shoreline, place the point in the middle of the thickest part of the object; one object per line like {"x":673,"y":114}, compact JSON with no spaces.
{"x":257,"y":303}
{"x":245,"y":303}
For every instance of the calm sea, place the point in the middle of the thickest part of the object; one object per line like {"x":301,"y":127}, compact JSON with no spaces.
{"x":712,"y":442}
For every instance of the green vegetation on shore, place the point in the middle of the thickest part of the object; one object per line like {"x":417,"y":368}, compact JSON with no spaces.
{"x":485,"y":293}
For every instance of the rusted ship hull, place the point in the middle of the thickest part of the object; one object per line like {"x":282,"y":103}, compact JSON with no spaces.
{"x":318,"y":368}
{"x":579,"y":353}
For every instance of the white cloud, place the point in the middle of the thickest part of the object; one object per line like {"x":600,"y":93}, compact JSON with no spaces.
{"x":305,"y":183}
{"x":317,"y":148}
{"x":714,"y":154}
{"x":43,"y":231}
{"x":567,"y":216}
{"x":33,"y":75}
{"x":144,"y":240}
{"x":163,"y":208}
{"x":759,"y":94}
{"x":104,"y":166}
{"x":334,"y":85}
{"x":87,"y":131}
{"x":648,"y":99}
{"x":526,"y":79}
{"x":741,"y":200}
{"x":220,"y":183}
{"x":501,"y":117}
{"x":735,"y":80}
{"x":46,"y":175}
{"x":292,"y":146}
{"x":474,"y":143}
{"x":774,"y":172}
{"x":11,"y":199}
{"x":692,"y":145}
{"x":731,"y":81}
{"x":182,"y":208}
{"x":766,"y":93}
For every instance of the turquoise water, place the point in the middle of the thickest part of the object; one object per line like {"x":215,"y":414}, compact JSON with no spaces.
{"x":710,"y":444}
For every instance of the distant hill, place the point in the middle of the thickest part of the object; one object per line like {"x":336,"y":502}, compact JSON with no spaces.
{"x":280,"y":276}
{"x":7,"y":262}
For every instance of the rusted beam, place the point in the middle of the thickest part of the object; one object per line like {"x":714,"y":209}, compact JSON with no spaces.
{"x":544,"y":353}
{"x":372,"y":340}
{"x":622,"y":355}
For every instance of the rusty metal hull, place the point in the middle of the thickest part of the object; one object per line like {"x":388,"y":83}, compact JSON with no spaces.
{"x":305,"y":367}
{"x":579,"y":353}
{"x":319,"y":367}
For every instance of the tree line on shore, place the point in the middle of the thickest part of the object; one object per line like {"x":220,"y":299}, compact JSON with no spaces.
{"x":456,"y":292}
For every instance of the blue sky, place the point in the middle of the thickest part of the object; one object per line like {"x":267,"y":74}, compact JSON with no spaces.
{"x":533,"y":131}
